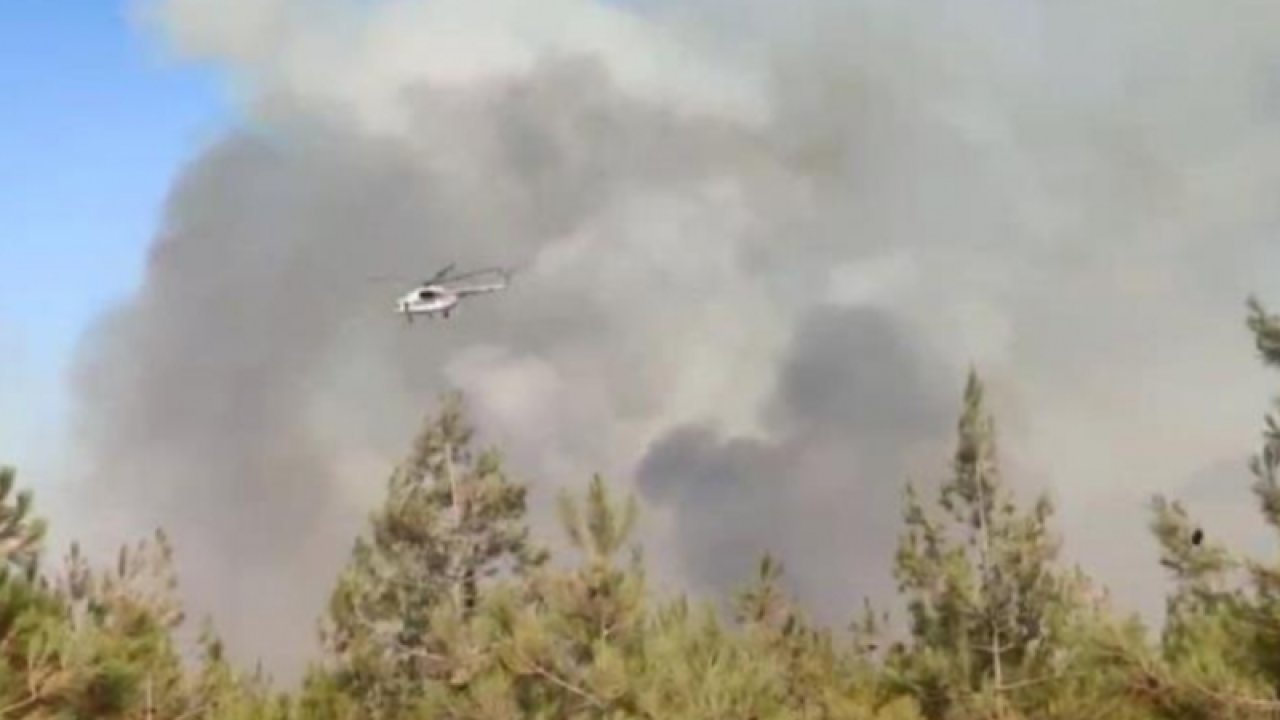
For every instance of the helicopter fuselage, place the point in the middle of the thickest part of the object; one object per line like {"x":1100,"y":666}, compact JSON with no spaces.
{"x":430,"y":300}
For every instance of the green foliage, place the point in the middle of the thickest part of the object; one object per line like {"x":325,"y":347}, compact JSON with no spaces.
{"x":997,"y":628}
{"x":1219,"y":655}
{"x":21,"y":536}
{"x":447,"y":610}
{"x":451,"y":522}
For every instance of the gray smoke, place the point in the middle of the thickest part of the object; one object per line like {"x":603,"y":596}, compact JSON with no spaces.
{"x":759,"y":245}
{"x":854,"y":400}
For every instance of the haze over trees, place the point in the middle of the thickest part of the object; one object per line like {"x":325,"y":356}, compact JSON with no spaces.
{"x":448,"y":609}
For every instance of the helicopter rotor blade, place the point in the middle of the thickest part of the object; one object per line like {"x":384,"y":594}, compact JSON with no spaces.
{"x":441,"y":275}
{"x":505,"y":274}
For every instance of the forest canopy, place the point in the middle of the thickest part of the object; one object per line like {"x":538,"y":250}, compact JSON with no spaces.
{"x":448,"y":608}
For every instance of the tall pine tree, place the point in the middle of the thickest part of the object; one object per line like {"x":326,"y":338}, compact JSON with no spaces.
{"x":451,"y":521}
{"x":1222,"y":629}
{"x":989,"y":610}
{"x":21,"y":534}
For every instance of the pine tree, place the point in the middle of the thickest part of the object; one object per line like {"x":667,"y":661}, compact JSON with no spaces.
{"x":811,"y":676}
{"x":1260,"y":613}
{"x":1219,"y":646}
{"x":1265,"y":466}
{"x":586,"y":626}
{"x":32,"y":624}
{"x":218,"y":691}
{"x":1206,"y":588}
{"x":21,"y":535}
{"x":86,"y":643}
{"x":119,"y":628}
{"x":989,"y":611}
{"x":1252,"y":624}
{"x":1223,"y":642}
{"x":452,"y":520}
{"x":446,"y":610}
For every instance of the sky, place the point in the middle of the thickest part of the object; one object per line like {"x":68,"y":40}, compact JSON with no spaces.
{"x":98,"y":126}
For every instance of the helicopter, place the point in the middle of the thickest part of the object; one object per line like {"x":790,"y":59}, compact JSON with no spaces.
{"x":436,"y":297}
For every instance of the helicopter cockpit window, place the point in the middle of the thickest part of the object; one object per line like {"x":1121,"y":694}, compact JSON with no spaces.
{"x":426,"y":294}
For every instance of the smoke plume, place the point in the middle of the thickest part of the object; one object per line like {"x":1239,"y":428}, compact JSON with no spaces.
{"x":759,"y":246}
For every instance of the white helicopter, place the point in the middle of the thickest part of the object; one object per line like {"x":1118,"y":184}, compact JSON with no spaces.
{"x":436,"y":297}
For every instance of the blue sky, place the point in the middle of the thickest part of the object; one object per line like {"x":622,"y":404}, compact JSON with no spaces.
{"x":96,"y":125}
